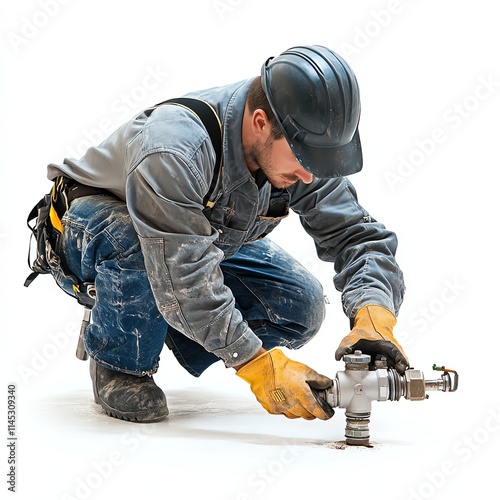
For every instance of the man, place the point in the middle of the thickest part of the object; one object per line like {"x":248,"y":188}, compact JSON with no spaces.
{"x":176,"y":248}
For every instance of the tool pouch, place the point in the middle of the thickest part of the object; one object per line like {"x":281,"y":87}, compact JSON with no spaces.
{"x":39,"y":214}
{"x":45,"y":224}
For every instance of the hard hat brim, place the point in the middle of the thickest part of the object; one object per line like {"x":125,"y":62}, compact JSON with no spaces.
{"x":328,"y":163}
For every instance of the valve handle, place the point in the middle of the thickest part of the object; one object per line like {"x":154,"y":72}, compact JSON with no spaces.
{"x":452,"y":385}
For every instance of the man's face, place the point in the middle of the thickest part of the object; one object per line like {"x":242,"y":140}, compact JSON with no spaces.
{"x":276,"y":160}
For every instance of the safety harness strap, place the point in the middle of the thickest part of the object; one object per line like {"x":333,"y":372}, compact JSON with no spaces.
{"x":208,"y":116}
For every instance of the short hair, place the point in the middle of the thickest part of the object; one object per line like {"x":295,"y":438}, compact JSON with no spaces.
{"x":257,"y":99}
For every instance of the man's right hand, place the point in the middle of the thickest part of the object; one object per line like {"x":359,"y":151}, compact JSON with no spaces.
{"x":283,"y":386}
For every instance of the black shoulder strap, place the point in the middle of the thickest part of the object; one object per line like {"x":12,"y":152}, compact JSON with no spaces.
{"x":208,"y":116}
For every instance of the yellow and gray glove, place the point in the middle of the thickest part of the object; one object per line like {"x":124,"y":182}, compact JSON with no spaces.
{"x":372,"y":334}
{"x":283,"y":386}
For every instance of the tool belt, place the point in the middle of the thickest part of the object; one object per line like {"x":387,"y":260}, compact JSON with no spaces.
{"x":47,"y":230}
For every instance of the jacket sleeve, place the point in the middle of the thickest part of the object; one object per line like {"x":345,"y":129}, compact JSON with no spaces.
{"x":164,"y":195}
{"x":362,"y":249}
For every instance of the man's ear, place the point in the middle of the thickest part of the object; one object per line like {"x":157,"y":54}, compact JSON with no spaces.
{"x":261,"y":126}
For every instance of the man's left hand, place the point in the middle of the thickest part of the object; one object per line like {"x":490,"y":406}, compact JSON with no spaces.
{"x":372,"y":334}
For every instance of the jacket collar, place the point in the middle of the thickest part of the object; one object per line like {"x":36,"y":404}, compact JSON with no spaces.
{"x":229,"y":102}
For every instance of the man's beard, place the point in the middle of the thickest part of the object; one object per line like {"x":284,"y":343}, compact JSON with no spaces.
{"x":259,"y":155}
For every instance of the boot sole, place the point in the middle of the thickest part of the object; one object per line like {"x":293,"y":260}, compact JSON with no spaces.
{"x":140,"y":417}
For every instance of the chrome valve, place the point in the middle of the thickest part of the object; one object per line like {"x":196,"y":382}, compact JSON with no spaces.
{"x":355,"y":388}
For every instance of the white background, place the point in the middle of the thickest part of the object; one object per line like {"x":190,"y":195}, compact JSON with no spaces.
{"x":430,"y":85}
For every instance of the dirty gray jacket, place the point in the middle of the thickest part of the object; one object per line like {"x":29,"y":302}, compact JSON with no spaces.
{"x":161,"y":164}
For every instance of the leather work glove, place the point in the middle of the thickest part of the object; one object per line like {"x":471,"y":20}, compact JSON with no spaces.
{"x":283,"y":386}
{"x":372,"y":334}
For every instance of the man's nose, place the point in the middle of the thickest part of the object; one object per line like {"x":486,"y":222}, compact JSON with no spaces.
{"x":304,"y":176}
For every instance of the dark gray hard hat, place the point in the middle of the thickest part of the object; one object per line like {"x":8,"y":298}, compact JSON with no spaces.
{"x":315,"y":97}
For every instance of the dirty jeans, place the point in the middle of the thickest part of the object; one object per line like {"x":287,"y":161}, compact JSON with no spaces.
{"x":281,"y":301}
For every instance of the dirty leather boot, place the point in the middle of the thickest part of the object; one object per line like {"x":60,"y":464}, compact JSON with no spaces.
{"x":128,"y":397}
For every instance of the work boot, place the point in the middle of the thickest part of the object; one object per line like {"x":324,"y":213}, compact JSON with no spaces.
{"x":128,"y":397}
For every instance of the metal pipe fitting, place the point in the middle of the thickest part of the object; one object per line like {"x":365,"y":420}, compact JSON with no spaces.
{"x":355,"y":388}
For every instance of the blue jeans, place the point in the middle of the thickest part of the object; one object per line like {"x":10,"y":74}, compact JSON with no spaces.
{"x":281,"y":301}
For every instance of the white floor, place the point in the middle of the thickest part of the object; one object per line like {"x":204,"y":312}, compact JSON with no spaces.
{"x":218,"y":443}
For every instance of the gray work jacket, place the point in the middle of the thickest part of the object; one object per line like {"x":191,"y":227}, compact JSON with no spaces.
{"x":161,"y":164}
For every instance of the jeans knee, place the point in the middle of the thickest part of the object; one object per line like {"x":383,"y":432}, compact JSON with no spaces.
{"x":314,"y":306}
